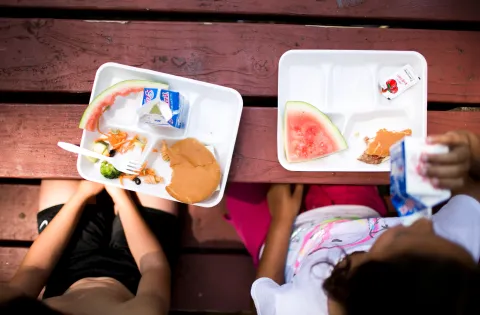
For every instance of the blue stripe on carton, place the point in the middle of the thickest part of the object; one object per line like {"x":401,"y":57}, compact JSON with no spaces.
{"x":149,"y":94}
{"x":404,"y":203}
{"x":174,"y":101}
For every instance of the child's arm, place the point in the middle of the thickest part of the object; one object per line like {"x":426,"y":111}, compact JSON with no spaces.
{"x":272,"y":263}
{"x":153,"y":291}
{"x":47,"y":249}
{"x":284,"y":207}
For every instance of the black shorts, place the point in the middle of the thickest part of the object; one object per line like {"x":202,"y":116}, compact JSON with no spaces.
{"x":98,"y":247}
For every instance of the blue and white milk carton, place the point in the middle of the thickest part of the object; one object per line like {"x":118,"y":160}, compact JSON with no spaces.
{"x":410,"y":192}
{"x":163,"y":108}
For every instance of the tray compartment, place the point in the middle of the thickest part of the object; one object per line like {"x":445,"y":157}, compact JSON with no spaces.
{"x":350,"y":88}
{"x":91,"y":170}
{"x":304,"y":79}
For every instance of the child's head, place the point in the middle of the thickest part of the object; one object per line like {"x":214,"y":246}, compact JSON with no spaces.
{"x":409,"y":270}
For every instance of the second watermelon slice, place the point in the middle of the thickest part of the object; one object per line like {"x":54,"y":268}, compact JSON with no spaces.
{"x":309,"y":134}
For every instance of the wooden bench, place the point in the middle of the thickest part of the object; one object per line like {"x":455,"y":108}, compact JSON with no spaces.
{"x":50,"y":50}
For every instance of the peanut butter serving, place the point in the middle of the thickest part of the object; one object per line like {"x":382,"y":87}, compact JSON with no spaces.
{"x":195,"y":171}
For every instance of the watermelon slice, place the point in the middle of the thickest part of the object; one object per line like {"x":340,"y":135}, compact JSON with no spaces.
{"x":309,"y":133}
{"x":105,"y":99}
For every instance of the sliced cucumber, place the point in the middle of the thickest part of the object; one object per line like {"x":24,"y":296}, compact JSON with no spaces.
{"x":99,"y":147}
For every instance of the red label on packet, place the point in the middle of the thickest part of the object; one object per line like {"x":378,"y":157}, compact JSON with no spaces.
{"x":397,"y":83}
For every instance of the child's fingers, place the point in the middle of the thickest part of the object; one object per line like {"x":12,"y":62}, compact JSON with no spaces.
{"x":459,"y":155}
{"x":448,"y":183}
{"x":446,"y":171}
{"x":446,"y":138}
{"x":450,"y":139}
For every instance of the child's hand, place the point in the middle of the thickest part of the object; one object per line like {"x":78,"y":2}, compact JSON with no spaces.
{"x":89,"y":189}
{"x":450,"y":170}
{"x":118,"y":194}
{"x":283,"y":204}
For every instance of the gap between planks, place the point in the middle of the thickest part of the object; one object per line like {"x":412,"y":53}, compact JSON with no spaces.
{"x":454,"y":14}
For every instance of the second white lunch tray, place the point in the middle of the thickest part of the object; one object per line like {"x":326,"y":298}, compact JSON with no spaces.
{"x":343,"y":84}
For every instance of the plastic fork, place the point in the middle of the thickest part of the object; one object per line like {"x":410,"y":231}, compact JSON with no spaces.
{"x":131,"y":167}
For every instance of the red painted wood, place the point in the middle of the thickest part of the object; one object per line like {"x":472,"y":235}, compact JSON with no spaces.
{"x":18,"y":212}
{"x":206,"y":228}
{"x":10,"y":259}
{"x":213,"y":282}
{"x":201,"y":282}
{"x":63,"y":55}
{"x":42,"y":127}
{"x":436,"y":10}
{"x":33,"y":152}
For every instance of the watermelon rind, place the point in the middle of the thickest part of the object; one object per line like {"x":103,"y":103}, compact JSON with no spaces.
{"x":299,"y":106}
{"x":127,"y":84}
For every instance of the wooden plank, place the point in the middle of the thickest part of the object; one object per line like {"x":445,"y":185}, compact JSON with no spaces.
{"x":425,"y":10}
{"x":201,"y":282}
{"x":202,"y":228}
{"x":10,"y":259}
{"x":18,"y":212}
{"x":37,"y":128}
{"x":206,"y":228}
{"x":213,"y":282}
{"x":63,"y":55}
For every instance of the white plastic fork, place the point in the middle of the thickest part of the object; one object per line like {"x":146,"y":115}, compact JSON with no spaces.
{"x":131,"y":167}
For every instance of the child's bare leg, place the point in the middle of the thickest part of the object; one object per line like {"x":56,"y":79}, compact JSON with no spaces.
{"x":56,"y":191}
{"x":158,"y":203}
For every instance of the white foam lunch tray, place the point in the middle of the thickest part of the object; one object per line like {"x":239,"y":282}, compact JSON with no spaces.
{"x":214,"y":119}
{"x":343,"y":84}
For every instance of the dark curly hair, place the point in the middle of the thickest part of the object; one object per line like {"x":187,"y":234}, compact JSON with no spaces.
{"x":411,"y":284}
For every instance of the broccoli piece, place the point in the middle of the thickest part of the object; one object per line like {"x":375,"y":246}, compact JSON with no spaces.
{"x":108,"y":171}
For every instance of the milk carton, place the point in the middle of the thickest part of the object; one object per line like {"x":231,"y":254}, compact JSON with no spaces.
{"x":410,"y":192}
{"x":163,"y":108}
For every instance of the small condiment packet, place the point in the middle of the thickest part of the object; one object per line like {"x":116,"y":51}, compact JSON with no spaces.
{"x":397,"y":83}
{"x":163,"y":108}
{"x":411,"y":192}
